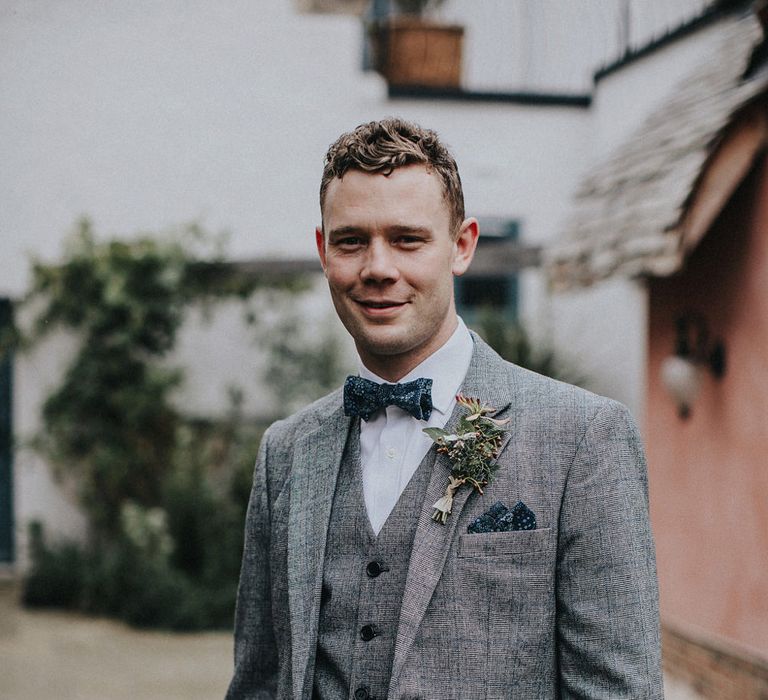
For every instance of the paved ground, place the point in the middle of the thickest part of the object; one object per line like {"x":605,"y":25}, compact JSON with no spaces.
{"x":69,"y":657}
{"x":64,"y":656}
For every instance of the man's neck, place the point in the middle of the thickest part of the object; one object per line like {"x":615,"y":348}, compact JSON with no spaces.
{"x":392,"y":368}
{"x":392,"y":371}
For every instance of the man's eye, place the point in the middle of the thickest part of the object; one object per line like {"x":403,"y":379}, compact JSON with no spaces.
{"x":349,"y":241}
{"x":409,"y":241}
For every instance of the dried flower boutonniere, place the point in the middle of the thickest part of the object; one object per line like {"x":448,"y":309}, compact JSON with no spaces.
{"x":472,"y":450}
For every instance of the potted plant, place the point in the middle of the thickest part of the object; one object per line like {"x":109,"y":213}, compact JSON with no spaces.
{"x":412,"y":49}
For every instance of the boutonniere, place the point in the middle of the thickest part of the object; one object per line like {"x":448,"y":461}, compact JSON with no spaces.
{"x":472,"y":450}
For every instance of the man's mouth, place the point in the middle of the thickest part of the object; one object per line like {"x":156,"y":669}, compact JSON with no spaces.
{"x":380,"y":304}
{"x":375,"y":307}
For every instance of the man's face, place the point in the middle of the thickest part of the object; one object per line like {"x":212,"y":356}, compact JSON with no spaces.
{"x":389,"y":258}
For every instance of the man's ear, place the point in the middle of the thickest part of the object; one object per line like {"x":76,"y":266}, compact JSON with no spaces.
{"x":465,"y":245}
{"x":320,"y":242}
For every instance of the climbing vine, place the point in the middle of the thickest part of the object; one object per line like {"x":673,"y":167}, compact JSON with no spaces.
{"x":164,"y":496}
{"x":110,"y":424}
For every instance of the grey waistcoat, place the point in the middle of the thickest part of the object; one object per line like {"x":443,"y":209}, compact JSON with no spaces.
{"x":363,"y":584}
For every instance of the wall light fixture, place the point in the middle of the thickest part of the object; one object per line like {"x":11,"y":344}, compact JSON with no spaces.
{"x":682,"y":373}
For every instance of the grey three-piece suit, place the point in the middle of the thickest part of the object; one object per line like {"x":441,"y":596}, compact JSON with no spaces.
{"x":569,"y":609}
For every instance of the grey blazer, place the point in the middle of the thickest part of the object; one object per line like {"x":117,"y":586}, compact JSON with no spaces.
{"x":568,"y":610}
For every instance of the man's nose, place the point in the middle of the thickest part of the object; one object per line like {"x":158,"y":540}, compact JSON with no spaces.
{"x":380,"y":263}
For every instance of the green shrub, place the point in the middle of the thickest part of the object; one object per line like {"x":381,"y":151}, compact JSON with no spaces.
{"x":173,"y":566}
{"x":57,"y":575}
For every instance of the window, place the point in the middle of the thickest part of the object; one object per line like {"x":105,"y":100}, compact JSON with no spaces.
{"x":496,"y":291}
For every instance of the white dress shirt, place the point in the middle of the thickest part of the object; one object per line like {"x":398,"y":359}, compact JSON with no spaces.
{"x":392,"y":443}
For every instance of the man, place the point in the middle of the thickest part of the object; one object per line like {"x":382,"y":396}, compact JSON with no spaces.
{"x":540,"y":585}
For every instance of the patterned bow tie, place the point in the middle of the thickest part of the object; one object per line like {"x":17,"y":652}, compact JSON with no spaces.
{"x":363,"y":398}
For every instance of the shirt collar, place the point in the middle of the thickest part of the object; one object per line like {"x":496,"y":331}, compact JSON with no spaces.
{"x":446,"y":367}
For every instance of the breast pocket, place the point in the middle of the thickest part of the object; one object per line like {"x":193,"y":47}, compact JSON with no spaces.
{"x":491,"y":544}
{"x":494,"y":586}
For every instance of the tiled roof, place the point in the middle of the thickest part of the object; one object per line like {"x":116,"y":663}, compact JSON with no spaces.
{"x":627,"y":210}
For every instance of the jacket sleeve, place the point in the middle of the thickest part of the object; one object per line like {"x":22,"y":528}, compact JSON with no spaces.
{"x":256,"y":663}
{"x":608,"y":639}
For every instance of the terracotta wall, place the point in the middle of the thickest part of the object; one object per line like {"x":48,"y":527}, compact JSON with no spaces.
{"x":709,"y":473}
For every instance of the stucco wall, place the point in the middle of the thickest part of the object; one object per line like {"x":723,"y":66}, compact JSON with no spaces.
{"x":625,"y":98}
{"x":144,"y":115}
{"x":218,"y":350}
{"x":37,"y":494}
{"x":600,"y":331}
{"x":708,"y":474}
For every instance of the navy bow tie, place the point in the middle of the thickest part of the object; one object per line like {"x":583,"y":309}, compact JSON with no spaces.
{"x":363,"y":398}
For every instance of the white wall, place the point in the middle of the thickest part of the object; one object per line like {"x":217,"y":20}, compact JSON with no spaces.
{"x":143,"y":115}
{"x":625,"y":98}
{"x":541,"y":46}
{"x":37,"y":495}
{"x":219,"y":350}
{"x":602,"y":331}
{"x":555,"y":46}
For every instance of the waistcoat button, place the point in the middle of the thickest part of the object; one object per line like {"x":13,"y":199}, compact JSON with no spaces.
{"x":362,"y":693}
{"x":368,"y":632}
{"x":374,"y":568}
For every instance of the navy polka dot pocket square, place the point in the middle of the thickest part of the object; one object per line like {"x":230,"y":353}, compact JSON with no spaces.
{"x":499,"y":518}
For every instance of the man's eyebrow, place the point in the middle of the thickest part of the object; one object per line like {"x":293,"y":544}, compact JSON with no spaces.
{"x":405,"y":228}
{"x":345,"y":231}
{"x":396,"y":229}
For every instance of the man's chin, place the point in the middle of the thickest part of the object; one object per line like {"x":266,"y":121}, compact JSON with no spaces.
{"x":386,"y":349}
{"x":385,"y":344}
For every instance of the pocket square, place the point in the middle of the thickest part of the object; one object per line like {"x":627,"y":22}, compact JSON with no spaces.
{"x":499,"y":518}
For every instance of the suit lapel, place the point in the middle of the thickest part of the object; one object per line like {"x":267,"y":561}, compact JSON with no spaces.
{"x":486,"y":381}
{"x":313,"y":482}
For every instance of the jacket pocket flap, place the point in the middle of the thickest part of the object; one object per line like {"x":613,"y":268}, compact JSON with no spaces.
{"x":488,"y":544}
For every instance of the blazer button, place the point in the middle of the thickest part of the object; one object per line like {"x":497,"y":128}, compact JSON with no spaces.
{"x":362,"y":693}
{"x":368,"y":632}
{"x":374,"y":568}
